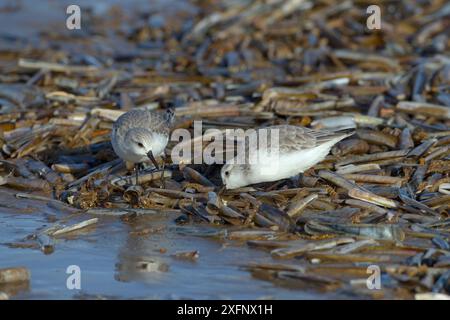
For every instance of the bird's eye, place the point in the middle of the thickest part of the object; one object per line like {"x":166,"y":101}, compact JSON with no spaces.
{"x":227,"y":173}
{"x":140,"y":145}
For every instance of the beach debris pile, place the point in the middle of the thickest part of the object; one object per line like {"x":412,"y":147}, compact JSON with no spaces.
{"x":381,"y":197}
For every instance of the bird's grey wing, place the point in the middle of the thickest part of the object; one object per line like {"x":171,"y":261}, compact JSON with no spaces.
{"x":290,"y":139}
{"x":324,"y":136}
{"x":122,"y":125}
{"x":295,"y":138}
{"x":139,"y":118}
{"x":285,"y":138}
{"x":164,"y":121}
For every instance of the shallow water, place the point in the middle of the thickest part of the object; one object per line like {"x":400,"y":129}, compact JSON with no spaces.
{"x":109,"y":258}
{"x":26,"y":18}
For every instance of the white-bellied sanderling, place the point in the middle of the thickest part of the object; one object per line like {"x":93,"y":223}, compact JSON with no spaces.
{"x":140,"y":135}
{"x":295,"y":150}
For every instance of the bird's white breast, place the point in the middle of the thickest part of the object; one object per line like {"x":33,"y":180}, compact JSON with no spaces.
{"x":283,"y":166}
{"x":159,"y":144}
{"x":127,"y":153}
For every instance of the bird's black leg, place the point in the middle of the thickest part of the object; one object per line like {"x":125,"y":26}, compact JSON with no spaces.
{"x":163,"y":180}
{"x":136,"y":169}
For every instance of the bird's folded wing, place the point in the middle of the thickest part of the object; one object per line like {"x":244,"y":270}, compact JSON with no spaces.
{"x":294,"y":138}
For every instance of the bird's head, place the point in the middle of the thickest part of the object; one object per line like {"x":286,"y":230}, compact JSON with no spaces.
{"x":233,"y":176}
{"x":139,"y":141}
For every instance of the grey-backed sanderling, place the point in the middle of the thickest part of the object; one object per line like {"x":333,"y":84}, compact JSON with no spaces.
{"x":297,"y":150}
{"x":140,"y":135}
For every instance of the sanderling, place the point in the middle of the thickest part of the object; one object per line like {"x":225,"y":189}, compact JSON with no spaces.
{"x":140,"y":135}
{"x":298,"y":149}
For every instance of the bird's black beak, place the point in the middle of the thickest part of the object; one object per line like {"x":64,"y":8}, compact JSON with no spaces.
{"x":152,"y":158}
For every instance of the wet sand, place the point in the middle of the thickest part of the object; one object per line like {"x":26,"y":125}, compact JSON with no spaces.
{"x":110,"y":255}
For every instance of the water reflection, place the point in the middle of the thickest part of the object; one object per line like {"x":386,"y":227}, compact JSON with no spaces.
{"x":137,"y":261}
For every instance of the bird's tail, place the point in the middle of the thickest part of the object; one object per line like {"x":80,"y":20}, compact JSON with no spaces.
{"x":347,"y":132}
{"x":335,"y":135}
{"x":170,"y":115}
